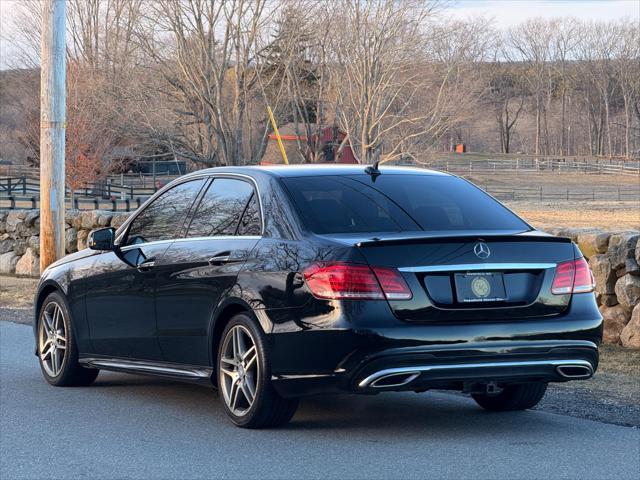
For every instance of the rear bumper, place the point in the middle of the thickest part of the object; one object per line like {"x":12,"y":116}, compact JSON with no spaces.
{"x":452,"y":368}
{"x":455,"y":356}
{"x":543,"y":362}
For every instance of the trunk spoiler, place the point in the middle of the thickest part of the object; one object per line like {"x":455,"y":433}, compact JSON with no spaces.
{"x":534,"y":235}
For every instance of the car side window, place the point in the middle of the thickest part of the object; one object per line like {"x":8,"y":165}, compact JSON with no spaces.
{"x":250,"y":223}
{"x":163,"y":218}
{"x":221,"y":208}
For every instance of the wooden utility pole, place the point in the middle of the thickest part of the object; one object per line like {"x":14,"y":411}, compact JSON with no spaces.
{"x":52,"y":131}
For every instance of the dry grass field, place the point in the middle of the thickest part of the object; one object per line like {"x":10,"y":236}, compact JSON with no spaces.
{"x":555,"y":180}
{"x":606,"y":212}
{"x":607,"y":215}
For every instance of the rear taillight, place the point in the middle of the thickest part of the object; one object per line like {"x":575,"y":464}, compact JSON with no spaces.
{"x":393,"y":285}
{"x":573,"y":277}
{"x":584,"y":281}
{"x":350,"y":281}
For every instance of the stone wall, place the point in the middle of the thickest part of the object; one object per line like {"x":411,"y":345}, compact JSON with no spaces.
{"x":614,"y":258}
{"x":20,"y":236}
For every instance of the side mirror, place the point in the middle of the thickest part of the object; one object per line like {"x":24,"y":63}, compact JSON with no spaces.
{"x":101,"y":239}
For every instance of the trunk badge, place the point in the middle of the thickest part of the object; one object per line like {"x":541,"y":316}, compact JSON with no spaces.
{"x":481,"y":250}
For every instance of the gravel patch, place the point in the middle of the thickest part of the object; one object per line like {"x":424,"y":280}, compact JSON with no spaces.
{"x":17,"y":315}
{"x":608,"y":398}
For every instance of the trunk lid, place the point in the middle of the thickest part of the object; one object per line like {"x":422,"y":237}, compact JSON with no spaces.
{"x":471,"y":276}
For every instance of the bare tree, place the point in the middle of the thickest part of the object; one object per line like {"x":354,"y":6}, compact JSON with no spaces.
{"x":530,"y":43}
{"x":209,"y":55}
{"x":101,"y":47}
{"x":596,"y":51}
{"x":191,"y":79}
{"x":24,"y":38}
{"x":102,"y":34}
{"x":627,"y":69}
{"x":456,"y":85}
{"x":301,"y":53}
{"x":90,"y":136}
{"x":506,"y":95}
{"x":378,"y":45}
{"x":564,"y":41}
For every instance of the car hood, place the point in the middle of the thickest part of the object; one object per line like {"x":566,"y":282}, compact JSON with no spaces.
{"x":74,"y":256}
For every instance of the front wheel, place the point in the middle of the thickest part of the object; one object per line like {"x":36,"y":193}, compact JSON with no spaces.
{"x":512,"y":397}
{"x":57,"y":350}
{"x":244,"y":378}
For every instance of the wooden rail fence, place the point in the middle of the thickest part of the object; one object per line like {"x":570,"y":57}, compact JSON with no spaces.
{"x":79,"y":203}
{"x":108,"y":190}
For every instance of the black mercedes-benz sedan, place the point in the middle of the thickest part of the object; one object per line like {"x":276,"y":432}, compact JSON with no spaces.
{"x":277,"y":282}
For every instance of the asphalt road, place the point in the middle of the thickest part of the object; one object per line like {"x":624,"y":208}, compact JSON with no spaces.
{"x":138,"y":427}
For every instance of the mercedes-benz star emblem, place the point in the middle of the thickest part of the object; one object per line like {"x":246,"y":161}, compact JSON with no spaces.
{"x":481,"y":250}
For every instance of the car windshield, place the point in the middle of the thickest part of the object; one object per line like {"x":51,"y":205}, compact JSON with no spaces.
{"x":396,"y":203}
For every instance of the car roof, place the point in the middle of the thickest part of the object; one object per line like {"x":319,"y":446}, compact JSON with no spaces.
{"x":318,"y":170}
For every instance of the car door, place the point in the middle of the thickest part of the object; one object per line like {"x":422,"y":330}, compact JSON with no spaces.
{"x":198,"y":269}
{"x":120,"y":298}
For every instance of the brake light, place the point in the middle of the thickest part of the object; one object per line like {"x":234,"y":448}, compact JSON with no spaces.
{"x":573,"y":277}
{"x":584,"y":281}
{"x":393,"y":285}
{"x":350,"y":281}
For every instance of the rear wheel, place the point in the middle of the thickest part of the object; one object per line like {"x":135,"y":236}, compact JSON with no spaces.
{"x":57,"y":350}
{"x":244,"y":378}
{"x":512,"y":397}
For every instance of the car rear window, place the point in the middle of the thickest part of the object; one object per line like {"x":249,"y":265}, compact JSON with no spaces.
{"x":396,"y":203}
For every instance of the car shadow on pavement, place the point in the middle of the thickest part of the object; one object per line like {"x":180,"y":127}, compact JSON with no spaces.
{"x":409,"y":412}
{"x":427,"y":413}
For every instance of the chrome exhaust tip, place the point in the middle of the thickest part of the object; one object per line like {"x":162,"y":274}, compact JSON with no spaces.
{"x":393,"y":380}
{"x":574,"y":371}
{"x":397,"y":377}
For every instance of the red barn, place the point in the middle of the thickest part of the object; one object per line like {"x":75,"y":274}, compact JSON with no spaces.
{"x":330,"y":140}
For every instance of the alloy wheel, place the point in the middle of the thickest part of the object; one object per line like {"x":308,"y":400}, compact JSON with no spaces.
{"x":52,"y":339}
{"x":239,"y":370}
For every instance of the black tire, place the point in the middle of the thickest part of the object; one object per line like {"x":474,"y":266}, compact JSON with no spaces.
{"x":269,"y":409}
{"x":512,"y":397}
{"x":71,"y":373}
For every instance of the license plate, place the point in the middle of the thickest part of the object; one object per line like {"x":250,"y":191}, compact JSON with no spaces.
{"x":479,"y":287}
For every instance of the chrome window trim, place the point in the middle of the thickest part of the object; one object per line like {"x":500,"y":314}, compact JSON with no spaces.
{"x":210,"y":176}
{"x":146,"y":244}
{"x":219,"y":237}
{"x":196,"y":239}
{"x":474,"y":267}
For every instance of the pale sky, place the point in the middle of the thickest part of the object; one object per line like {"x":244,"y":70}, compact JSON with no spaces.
{"x":505,"y":13}
{"x":508,"y":13}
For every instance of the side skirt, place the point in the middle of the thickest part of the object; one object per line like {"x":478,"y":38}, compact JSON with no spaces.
{"x":174,"y":371}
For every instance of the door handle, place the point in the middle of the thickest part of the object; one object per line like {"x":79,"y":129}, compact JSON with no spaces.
{"x":147,"y":265}
{"x":220,"y":258}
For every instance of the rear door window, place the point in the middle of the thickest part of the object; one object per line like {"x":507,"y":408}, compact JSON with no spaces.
{"x":250,"y":223}
{"x":221,"y":208}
